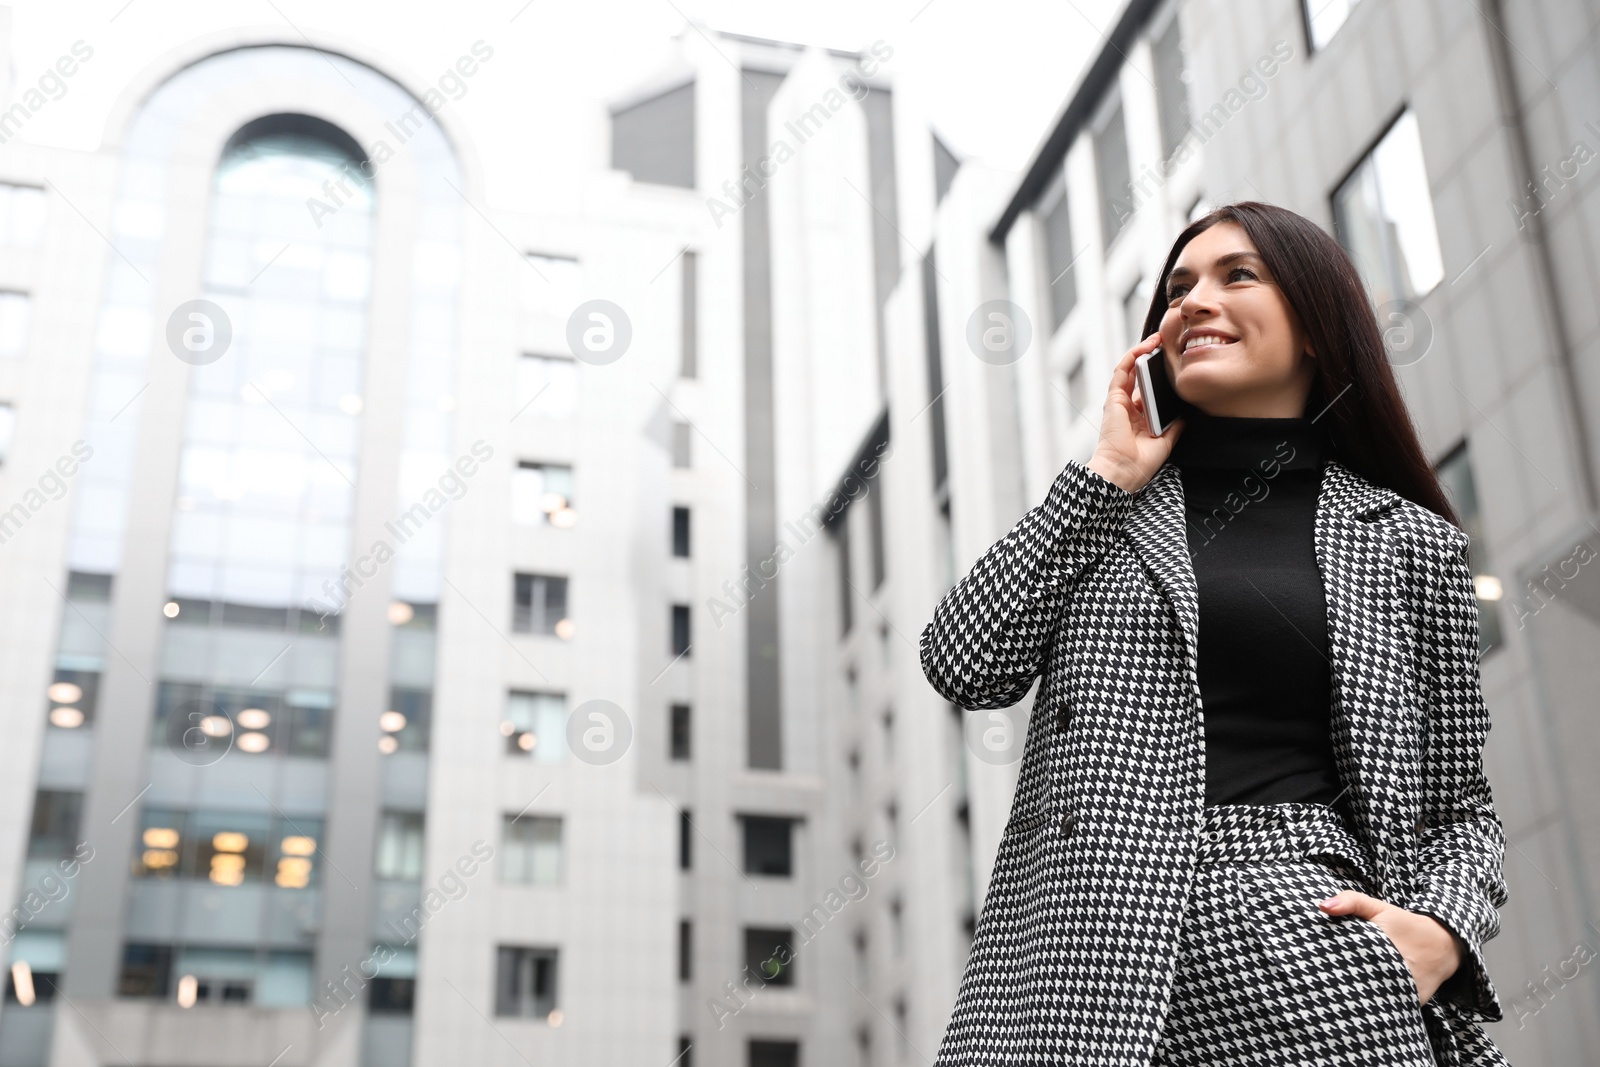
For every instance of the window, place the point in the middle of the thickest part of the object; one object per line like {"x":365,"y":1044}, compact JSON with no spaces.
{"x":547,"y":385}
{"x":525,"y":982}
{"x":888,"y":737}
{"x":689,"y":361}
{"x":897,"y":928}
{"x":8,"y":430}
{"x":769,"y":953}
{"x":1058,"y":254}
{"x":407,"y":721}
{"x":541,"y":494}
{"x":393,"y":990}
{"x":654,"y":139}
{"x":841,"y":538}
{"x":685,"y":840}
{"x":933,"y":356}
{"x":400,"y":846}
{"x":680,"y":532}
{"x":208,"y":721}
{"x":1383,"y":214}
{"x":1172,"y":86}
{"x":1455,"y":475}
{"x":536,"y":724}
{"x":197,"y":976}
{"x":530,"y":850}
{"x":56,"y":817}
{"x":229,"y":848}
{"x":551,"y":286}
{"x":541,"y":605}
{"x":875,"y":526}
{"x":1111,"y":172}
{"x":680,"y":629}
{"x":685,"y":1059}
{"x":685,"y":949}
{"x":22,"y":211}
{"x":774,"y":1053}
{"x":768,"y":845}
{"x":891,"y":822}
{"x":680,"y":731}
{"x":862,"y":960}
{"x":37,"y":960}
{"x":15,"y":313}
{"x":1323,"y":19}
{"x":680,"y":445}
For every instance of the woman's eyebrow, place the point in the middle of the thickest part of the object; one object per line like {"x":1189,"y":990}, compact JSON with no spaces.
{"x":1222,"y":261}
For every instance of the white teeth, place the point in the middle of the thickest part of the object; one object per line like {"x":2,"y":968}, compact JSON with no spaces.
{"x":1205,"y":339}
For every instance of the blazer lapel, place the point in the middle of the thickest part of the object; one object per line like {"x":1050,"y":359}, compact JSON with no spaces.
{"x":1362,"y":591}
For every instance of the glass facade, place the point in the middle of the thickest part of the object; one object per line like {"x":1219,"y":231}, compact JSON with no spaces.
{"x":1383,"y":213}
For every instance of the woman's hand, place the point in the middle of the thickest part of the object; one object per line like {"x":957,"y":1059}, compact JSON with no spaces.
{"x":1427,"y":945}
{"x":1128,"y":453}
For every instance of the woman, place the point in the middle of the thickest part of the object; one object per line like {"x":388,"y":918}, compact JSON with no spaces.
{"x":1251,"y":824}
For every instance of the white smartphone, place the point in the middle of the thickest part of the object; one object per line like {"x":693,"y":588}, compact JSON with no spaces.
{"x":1155,"y":387}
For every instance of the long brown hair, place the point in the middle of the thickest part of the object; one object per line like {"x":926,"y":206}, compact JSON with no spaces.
{"x":1368,"y":426}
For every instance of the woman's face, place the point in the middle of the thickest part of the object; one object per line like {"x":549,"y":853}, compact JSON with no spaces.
{"x":1246,"y":352}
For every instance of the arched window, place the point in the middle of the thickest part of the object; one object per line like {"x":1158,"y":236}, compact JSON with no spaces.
{"x":267,"y":474}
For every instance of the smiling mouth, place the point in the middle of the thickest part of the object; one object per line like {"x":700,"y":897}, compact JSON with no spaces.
{"x":1206,"y":346}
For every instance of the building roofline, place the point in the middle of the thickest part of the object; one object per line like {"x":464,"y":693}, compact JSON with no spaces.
{"x":1075,"y":113}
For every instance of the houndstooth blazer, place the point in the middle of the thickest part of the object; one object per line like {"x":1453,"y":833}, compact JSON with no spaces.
{"x":1073,"y":957}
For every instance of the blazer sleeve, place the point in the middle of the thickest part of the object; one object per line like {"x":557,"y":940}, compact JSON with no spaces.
{"x":1457,"y":878}
{"x":988,"y":635}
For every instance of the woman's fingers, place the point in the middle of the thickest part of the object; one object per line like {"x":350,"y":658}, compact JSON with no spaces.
{"x":1350,"y":902}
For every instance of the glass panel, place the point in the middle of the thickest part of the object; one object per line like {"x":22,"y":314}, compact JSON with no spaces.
{"x":1383,"y":214}
{"x":536,"y":723}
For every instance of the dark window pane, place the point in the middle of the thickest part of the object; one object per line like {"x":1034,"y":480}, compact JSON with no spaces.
{"x":541,"y":603}
{"x":768,"y":845}
{"x":146,"y":971}
{"x":769,"y":954}
{"x":685,"y":829}
{"x":54,"y":832}
{"x":680,"y":731}
{"x":685,"y":949}
{"x":774,"y":1054}
{"x":680,"y":532}
{"x":1058,"y":252}
{"x":525,"y":981}
{"x":391,"y":996}
{"x":72,"y":697}
{"x":416,"y":705}
{"x":691,"y":325}
{"x":1111,"y":170}
{"x":680,"y":629}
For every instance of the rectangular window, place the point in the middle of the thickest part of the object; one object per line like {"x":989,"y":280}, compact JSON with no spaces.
{"x":208,"y":976}
{"x":525,"y":982}
{"x":54,"y":831}
{"x":875,"y":526}
{"x":551,"y":286}
{"x":22,"y":211}
{"x":8,"y":431}
{"x":691,"y":326}
{"x":1111,"y":172}
{"x":1383,"y":215}
{"x":685,"y":949}
{"x":774,"y":1053}
{"x":847,"y":593}
{"x":769,"y":953}
{"x":933,"y":354}
{"x":536,"y":725}
{"x":1324,"y":18}
{"x":541,"y":495}
{"x":399,"y":856}
{"x":1135,"y":305}
{"x":393,"y":991}
{"x":407,"y":721}
{"x":653,"y":139}
{"x":680,"y":629}
{"x":1059,"y":257}
{"x":680,"y":532}
{"x":1172,"y":86}
{"x":146,"y":970}
{"x":530,"y":850}
{"x":229,"y":848}
{"x":680,"y":731}
{"x":15,"y":313}
{"x":541,"y":605}
{"x":1456,"y":477}
{"x":768,"y":845}
{"x":547,"y":385}
{"x":685,"y":839}
{"x":680,"y":445}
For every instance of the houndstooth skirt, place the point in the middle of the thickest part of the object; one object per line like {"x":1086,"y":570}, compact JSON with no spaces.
{"x":1266,"y":977}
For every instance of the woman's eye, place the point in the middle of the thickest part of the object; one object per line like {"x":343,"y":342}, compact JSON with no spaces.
{"x":1174,"y":292}
{"x":1241,"y":270}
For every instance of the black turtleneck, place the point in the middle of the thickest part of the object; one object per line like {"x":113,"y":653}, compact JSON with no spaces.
{"x":1250,"y":492}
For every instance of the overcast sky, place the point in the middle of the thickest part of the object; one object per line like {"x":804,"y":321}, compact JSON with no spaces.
{"x":993,"y":74}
